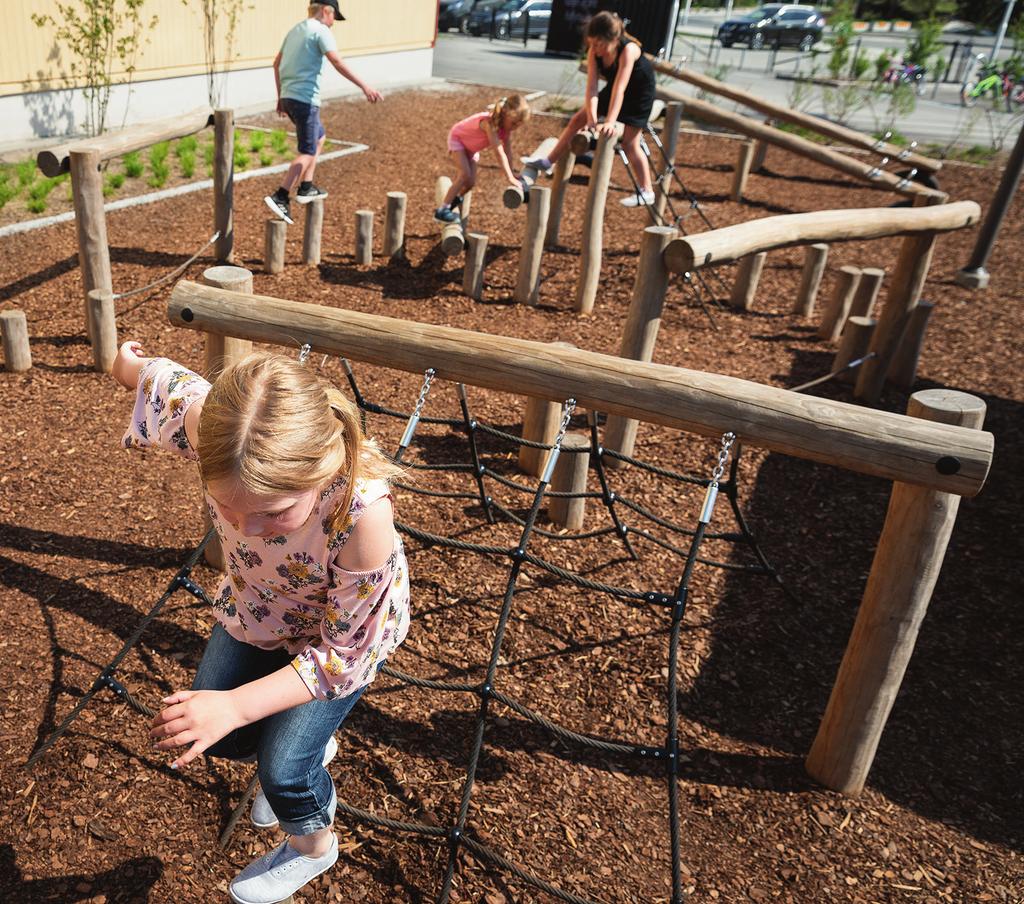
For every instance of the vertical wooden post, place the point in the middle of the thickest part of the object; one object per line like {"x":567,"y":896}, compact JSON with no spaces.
{"x":570,"y":477}
{"x":563,"y":172}
{"x":90,"y":225}
{"x":452,"y":239}
{"x":104,"y":327}
{"x":642,"y":324}
{"x":473,"y":270}
{"x":364,"y":237}
{"x":834,"y":318}
{"x":853,"y":345}
{"x":394,"y":225}
{"x":530,"y":255}
{"x":903,"y":370}
{"x":541,"y":419}
{"x":274,"y":237}
{"x":739,"y":177}
{"x":815,"y":258}
{"x":14,"y":336}
{"x":311,"y":234}
{"x":223,"y":183}
{"x":669,"y":141}
{"x":906,"y":565}
{"x":593,"y":221}
{"x":870,"y":283}
{"x":760,"y":153}
{"x":747,"y":277}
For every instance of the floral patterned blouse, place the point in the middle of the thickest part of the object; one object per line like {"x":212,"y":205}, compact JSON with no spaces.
{"x":289,"y":591}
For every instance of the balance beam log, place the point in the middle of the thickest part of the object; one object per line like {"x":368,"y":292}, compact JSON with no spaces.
{"x":865,"y":440}
{"x":815,"y":258}
{"x":311,"y":234}
{"x":452,"y":239}
{"x":14,"y":336}
{"x":730,"y":243}
{"x":224,"y":184}
{"x":104,"y":326}
{"x":593,"y":221}
{"x":364,"y":237}
{"x":514,"y":196}
{"x":394,"y":225}
{"x":583,"y":142}
{"x":532,"y":251}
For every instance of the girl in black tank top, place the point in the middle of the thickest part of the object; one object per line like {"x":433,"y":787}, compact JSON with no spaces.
{"x":627,"y":97}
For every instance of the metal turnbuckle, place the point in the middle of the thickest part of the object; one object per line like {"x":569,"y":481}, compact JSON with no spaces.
{"x":568,"y":407}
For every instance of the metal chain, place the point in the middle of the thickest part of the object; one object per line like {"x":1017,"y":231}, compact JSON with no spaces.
{"x":568,"y":407}
{"x":304,"y":352}
{"x":723,"y":457}
{"x":428,"y":377}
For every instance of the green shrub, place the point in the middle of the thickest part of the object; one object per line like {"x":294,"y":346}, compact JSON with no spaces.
{"x":256,"y":141}
{"x":187,"y":162}
{"x":266,"y":158}
{"x":158,"y":164}
{"x":36,"y":206}
{"x":7,"y":190}
{"x":112,"y":183}
{"x":185,"y":146}
{"x":279,"y":140}
{"x":133,"y":167}
{"x":39,"y":191}
{"x":241,"y":157}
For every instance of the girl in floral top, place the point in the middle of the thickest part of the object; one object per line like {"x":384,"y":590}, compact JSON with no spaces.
{"x":316,"y":596}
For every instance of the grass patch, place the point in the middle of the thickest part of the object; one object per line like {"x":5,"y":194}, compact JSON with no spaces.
{"x":256,"y":141}
{"x":26,"y":171}
{"x":279,"y":142}
{"x":39,"y":191}
{"x":7,"y":190}
{"x":133,"y":167}
{"x":241,"y":157}
{"x":266,"y":158}
{"x":112,"y":183}
{"x":158,"y":164}
{"x":802,"y":131}
{"x":208,"y":155}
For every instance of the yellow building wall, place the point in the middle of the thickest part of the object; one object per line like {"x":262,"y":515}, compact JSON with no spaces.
{"x":32,"y":60}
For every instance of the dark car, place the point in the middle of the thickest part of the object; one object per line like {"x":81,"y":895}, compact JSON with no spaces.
{"x":776,"y":25}
{"x":454,"y":14}
{"x":510,"y":18}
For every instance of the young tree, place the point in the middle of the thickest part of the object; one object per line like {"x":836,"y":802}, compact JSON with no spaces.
{"x":218,"y":16}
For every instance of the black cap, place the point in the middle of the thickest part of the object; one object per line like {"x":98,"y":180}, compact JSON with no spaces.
{"x":333,"y":4}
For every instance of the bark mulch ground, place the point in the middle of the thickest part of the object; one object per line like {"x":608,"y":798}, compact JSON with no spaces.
{"x":90,"y":535}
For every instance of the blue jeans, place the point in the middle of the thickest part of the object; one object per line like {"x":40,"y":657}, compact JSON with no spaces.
{"x":289,"y":746}
{"x":308,"y":128}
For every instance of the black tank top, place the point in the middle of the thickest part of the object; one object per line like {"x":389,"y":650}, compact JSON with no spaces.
{"x":641,"y":79}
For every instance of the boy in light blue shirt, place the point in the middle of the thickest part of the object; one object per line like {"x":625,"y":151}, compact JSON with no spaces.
{"x":297,"y":70}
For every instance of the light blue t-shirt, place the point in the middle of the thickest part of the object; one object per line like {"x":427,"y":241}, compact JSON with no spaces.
{"x":302,"y":60}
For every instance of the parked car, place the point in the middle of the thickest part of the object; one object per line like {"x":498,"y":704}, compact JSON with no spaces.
{"x":776,"y":25}
{"x":510,"y":18}
{"x":455,"y":14}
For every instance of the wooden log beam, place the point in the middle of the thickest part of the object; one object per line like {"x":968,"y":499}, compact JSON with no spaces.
{"x":893,"y":446}
{"x":56,"y":160}
{"x":744,"y":125}
{"x":833,"y":130}
{"x":514,"y":196}
{"x":733,"y":242}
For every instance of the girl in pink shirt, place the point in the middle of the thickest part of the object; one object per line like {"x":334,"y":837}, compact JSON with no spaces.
{"x":491,"y":129}
{"x":316,"y":597}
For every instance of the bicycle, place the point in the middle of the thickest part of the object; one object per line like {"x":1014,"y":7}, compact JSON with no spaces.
{"x":905,"y":73}
{"x":998,"y":83}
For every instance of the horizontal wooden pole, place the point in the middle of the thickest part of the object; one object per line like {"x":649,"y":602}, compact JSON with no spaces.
{"x":689,"y":253}
{"x":784,"y":114}
{"x":880,"y":443}
{"x":54,"y":161}
{"x":744,"y":125}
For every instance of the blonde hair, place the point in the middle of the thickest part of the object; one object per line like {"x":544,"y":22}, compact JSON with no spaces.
{"x":276,"y":427}
{"x":510,"y":110}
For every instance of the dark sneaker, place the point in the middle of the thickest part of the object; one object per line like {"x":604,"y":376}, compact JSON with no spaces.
{"x":305,"y":196}
{"x":457,"y":202}
{"x":446,"y":215}
{"x":279,"y":207}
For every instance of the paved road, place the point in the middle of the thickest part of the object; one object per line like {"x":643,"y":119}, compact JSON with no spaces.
{"x":938,"y":116}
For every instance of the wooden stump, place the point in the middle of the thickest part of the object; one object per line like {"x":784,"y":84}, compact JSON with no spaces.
{"x":870,"y":283}
{"x":274,"y":236}
{"x":563,"y":172}
{"x":394,"y":225}
{"x":747,"y":277}
{"x":815,"y":257}
{"x":739,"y":178}
{"x":669,"y":141}
{"x":473,"y":270}
{"x":91,"y":226}
{"x":541,"y":420}
{"x":528,"y":285}
{"x":570,"y":477}
{"x":514,"y":196}
{"x":104,"y":325}
{"x":311,"y":234}
{"x":364,"y":237}
{"x":853,"y":345}
{"x":907,"y":562}
{"x":834,"y":318}
{"x":14,"y":336}
{"x":903,"y":370}
{"x":593,"y":221}
{"x":224,"y":183}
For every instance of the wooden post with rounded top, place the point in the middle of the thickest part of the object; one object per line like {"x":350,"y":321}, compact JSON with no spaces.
{"x":867,"y":291}
{"x":669,"y":141}
{"x":394,"y":225}
{"x":90,"y":225}
{"x":815,"y":258}
{"x":311,"y":234}
{"x":104,"y":326}
{"x":473,"y":269}
{"x":274,"y":237}
{"x":747,"y":277}
{"x":223,"y":184}
{"x":593,"y":221}
{"x":14,"y":336}
{"x":364,"y":237}
{"x":834,"y":317}
{"x":742,"y":172}
{"x":570,"y":477}
{"x":907,"y":562}
{"x":903,"y":370}
{"x":528,"y":285}
{"x":853,"y":345}
{"x":559,"y":182}
{"x":641,"y":331}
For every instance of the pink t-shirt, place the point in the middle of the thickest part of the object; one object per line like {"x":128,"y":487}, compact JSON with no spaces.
{"x":469,"y":135}
{"x":289,"y":591}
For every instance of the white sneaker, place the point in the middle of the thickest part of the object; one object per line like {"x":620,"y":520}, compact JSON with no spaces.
{"x":638,"y":199}
{"x":274,"y":876}
{"x":261,"y":814}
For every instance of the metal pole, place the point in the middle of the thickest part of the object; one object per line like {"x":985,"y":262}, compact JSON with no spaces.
{"x":526,"y":27}
{"x":1002,"y":29}
{"x":974,"y":275}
